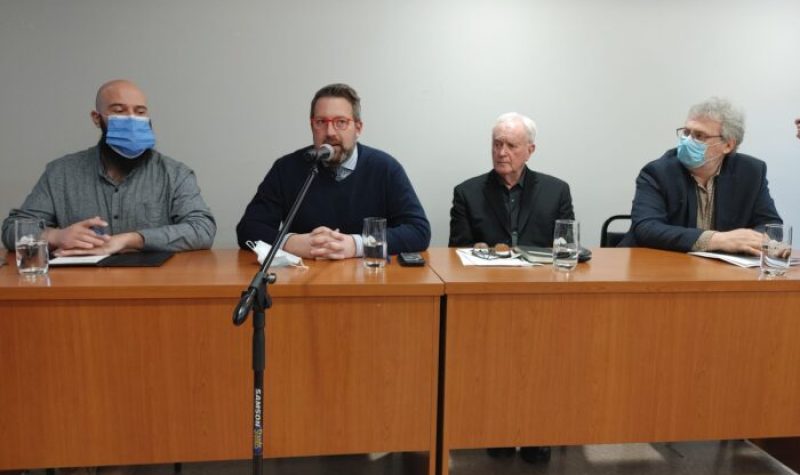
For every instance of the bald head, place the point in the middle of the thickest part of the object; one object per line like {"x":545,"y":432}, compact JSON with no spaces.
{"x":119,"y":97}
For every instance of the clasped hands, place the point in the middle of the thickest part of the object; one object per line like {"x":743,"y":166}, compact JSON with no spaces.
{"x":81,"y":239}
{"x":321,"y":243}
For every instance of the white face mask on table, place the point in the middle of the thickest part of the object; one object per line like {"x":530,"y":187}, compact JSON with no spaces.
{"x":282,"y":258}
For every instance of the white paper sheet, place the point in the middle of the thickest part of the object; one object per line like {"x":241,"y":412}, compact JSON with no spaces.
{"x":737,"y":260}
{"x":77,"y":260}
{"x":468,"y":259}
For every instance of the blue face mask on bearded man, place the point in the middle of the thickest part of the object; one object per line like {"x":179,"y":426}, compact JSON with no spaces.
{"x":129,"y":135}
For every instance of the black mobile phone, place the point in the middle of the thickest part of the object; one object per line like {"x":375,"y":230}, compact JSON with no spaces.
{"x":410,"y":259}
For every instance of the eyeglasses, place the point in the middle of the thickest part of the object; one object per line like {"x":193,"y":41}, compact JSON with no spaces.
{"x":698,"y":136}
{"x":339,"y":123}
{"x":499,"y":251}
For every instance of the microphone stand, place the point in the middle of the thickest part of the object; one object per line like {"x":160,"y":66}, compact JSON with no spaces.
{"x":257,"y":299}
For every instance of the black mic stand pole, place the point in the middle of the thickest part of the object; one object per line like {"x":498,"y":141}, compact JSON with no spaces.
{"x":257,"y":298}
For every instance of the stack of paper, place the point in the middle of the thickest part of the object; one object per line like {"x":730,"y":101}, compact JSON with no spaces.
{"x":739,"y":260}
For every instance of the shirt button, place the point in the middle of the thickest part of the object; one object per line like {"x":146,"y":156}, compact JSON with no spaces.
{"x":116,"y":190}
{"x":116,"y":216}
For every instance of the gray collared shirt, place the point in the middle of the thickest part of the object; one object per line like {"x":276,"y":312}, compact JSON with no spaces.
{"x":159,"y":199}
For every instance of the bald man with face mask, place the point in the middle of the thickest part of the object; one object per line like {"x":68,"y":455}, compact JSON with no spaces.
{"x":120,"y":195}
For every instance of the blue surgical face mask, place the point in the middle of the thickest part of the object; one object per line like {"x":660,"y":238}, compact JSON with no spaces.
{"x":129,"y":135}
{"x":691,"y":153}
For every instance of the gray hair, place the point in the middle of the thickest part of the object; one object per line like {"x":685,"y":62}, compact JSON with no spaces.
{"x":721,"y":110}
{"x":527,"y":122}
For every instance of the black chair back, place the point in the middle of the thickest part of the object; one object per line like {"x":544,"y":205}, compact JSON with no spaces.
{"x":612,"y":238}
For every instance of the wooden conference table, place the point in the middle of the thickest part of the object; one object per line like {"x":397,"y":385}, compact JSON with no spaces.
{"x":105,"y":366}
{"x":126,"y":366}
{"x":633,"y":346}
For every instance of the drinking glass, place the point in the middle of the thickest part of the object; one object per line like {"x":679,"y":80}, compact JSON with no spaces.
{"x":31,"y":246}
{"x":566,"y":244}
{"x":374,"y":238}
{"x":776,"y":249}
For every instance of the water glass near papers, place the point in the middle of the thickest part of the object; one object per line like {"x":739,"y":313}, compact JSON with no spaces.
{"x":31,"y":246}
{"x":776,"y":249}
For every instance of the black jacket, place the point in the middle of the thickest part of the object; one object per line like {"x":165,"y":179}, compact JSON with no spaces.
{"x":664,"y":212}
{"x":479,"y":213}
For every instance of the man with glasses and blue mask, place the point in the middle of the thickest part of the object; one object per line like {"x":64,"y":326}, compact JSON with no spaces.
{"x":703,"y":195}
{"x":356,"y":182}
{"x":121,"y":194}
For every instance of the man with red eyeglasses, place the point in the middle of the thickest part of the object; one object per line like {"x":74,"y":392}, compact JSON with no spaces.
{"x":356,"y":182}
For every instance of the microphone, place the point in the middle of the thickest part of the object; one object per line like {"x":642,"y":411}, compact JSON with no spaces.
{"x":320,"y":155}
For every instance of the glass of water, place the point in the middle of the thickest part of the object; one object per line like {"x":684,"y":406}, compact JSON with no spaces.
{"x":374,"y":238}
{"x":566,"y":244}
{"x":31,"y":246}
{"x":776,"y":249}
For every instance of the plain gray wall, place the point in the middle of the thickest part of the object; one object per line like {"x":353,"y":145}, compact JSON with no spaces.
{"x":229,"y":85}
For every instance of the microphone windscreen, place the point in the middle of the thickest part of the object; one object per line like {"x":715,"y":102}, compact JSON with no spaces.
{"x":322,"y":154}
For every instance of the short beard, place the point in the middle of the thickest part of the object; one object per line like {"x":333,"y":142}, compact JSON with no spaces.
{"x":340,"y":158}
{"x":117,"y":161}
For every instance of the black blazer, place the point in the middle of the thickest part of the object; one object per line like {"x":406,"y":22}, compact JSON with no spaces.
{"x":479,"y":214}
{"x":664,"y":212}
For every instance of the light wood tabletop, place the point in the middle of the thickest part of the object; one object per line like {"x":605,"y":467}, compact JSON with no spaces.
{"x":143,"y":365}
{"x":636,"y":345}
{"x":117,"y":366}
{"x":216,"y":273}
{"x":633,"y":270}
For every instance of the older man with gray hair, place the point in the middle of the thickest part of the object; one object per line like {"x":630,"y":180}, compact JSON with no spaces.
{"x":511,"y":204}
{"x":703,"y":195}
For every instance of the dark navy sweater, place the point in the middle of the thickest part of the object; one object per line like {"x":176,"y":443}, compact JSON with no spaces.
{"x":377,"y":187}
